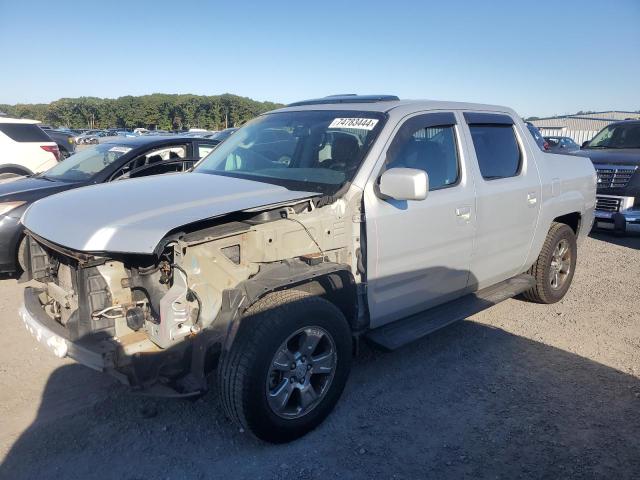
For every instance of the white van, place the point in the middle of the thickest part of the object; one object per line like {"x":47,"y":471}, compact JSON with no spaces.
{"x":25,"y":148}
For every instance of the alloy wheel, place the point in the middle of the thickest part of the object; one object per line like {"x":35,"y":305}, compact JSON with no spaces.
{"x":301,"y":372}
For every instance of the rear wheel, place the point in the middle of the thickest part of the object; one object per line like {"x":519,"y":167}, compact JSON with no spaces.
{"x":287,"y":367}
{"x":555,"y":266}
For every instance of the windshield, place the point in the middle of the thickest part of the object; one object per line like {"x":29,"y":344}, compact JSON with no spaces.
{"x":223,"y":135}
{"x":617,"y":136}
{"x":307,"y":150}
{"x":83,"y":165}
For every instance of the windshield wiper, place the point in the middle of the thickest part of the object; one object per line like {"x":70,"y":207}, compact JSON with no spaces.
{"x":43,"y":176}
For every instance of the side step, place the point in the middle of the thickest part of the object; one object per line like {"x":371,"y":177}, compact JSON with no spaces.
{"x":401,"y":332}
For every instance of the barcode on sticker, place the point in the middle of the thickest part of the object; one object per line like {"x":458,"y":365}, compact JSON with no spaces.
{"x":361,"y":123}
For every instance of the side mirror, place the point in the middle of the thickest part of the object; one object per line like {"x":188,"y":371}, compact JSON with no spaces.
{"x":584,"y":144}
{"x":404,"y":184}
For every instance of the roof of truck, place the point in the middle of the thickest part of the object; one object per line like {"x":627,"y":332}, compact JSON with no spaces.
{"x":385,"y":104}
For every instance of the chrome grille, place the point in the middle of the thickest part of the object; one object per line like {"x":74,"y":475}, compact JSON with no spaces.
{"x":608,"y":204}
{"x":610,"y":176}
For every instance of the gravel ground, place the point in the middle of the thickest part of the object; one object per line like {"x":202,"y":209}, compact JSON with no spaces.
{"x":518,"y":391}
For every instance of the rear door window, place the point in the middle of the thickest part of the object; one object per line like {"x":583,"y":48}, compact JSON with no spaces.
{"x":497,"y":150}
{"x":24,"y":132}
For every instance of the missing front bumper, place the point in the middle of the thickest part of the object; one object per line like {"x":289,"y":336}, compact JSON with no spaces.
{"x":162,"y":373}
{"x":54,"y":337}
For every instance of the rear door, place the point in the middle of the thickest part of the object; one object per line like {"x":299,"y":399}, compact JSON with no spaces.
{"x":419,"y":251}
{"x":508,"y":196}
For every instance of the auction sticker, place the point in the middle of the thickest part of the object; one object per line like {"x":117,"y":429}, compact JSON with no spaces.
{"x":361,"y":123}
{"x":120,"y":149}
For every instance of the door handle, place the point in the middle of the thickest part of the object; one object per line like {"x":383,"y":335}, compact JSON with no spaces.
{"x":532,"y":199}
{"x":463,"y":213}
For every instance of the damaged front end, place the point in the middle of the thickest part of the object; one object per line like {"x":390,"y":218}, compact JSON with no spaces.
{"x":133,"y":317}
{"x":159,"y":322}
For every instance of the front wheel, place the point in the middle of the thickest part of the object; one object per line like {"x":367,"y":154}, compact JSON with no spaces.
{"x":555,"y":266}
{"x":287,"y":367}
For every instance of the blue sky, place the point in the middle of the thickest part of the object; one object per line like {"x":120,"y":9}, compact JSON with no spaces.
{"x":539,"y":57}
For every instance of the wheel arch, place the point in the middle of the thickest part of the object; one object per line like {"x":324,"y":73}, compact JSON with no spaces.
{"x":332,"y":281}
{"x":15,"y":168}
{"x":573,"y":220}
{"x":569,"y":216}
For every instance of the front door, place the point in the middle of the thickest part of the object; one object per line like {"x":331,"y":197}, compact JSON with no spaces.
{"x":418,"y":252}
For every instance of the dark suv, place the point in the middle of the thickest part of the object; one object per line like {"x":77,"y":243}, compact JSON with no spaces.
{"x":64,"y":139}
{"x":615,"y":153}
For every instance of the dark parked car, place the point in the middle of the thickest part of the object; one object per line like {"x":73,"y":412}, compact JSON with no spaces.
{"x":615,"y":153}
{"x":537,"y":136}
{"x":561,"y":144}
{"x":65,"y":140}
{"x":116,"y":159}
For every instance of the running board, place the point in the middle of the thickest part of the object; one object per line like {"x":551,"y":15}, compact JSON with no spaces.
{"x":401,"y":332}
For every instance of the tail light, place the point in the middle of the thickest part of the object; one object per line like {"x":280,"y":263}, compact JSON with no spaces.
{"x":52,"y":149}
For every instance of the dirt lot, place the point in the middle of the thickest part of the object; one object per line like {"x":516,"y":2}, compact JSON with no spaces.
{"x":519,"y":391}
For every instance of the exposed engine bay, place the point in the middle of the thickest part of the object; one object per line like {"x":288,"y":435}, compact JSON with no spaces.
{"x":193,"y":291}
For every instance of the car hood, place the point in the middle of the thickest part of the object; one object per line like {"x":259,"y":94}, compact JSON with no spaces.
{"x":132,"y":216}
{"x":627,"y":156}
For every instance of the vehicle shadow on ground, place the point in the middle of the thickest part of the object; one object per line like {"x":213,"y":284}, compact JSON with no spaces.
{"x":629,"y":240}
{"x":470,"y":401}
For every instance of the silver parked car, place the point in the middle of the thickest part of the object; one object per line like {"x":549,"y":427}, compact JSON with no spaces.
{"x":310,"y":228}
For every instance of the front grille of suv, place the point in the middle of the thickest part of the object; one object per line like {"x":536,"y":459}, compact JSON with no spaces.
{"x":614,"y":177}
{"x":608,"y":204}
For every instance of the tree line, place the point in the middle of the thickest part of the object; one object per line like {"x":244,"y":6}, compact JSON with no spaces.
{"x":157,"y":111}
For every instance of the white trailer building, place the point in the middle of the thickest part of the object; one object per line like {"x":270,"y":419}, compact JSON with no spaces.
{"x":581,"y":127}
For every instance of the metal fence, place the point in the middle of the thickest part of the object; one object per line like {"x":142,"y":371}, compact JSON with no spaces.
{"x":578,"y":136}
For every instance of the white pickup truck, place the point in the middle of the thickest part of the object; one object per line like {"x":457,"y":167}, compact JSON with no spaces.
{"x":311,"y":228}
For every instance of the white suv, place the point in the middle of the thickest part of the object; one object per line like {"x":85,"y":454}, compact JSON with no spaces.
{"x":25,"y":148}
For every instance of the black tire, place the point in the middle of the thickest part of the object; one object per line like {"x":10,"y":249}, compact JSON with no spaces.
{"x":244,"y":371}
{"x":544,"y":291}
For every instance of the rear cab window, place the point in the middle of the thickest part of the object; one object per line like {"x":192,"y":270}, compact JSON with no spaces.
{"x":496,"y":145}
{"x":24,"y":132}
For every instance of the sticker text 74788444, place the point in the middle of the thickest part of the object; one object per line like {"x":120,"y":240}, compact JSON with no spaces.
{"x":362,"y":123}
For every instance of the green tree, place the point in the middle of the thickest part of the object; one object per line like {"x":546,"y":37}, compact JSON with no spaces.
{"x":155,"y":111}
